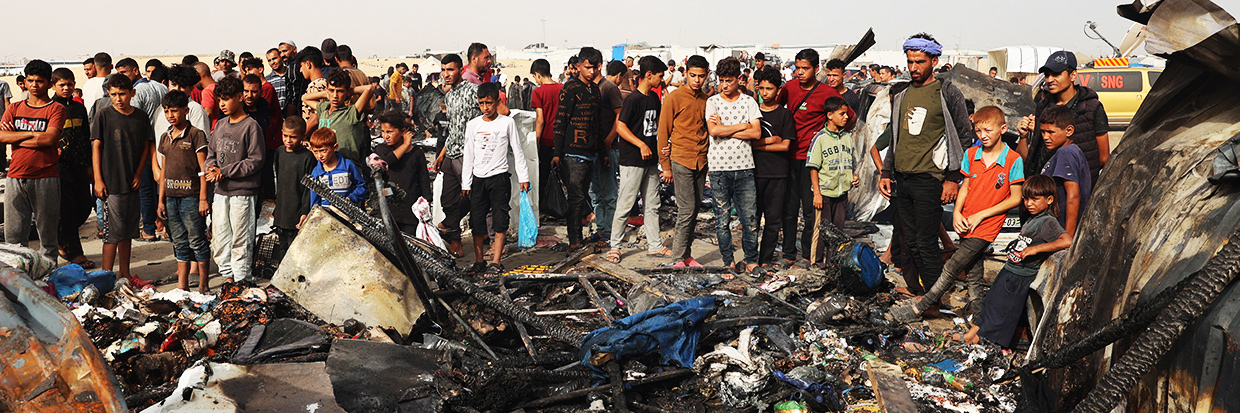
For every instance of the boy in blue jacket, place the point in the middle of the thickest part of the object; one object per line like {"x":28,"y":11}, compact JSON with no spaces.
{"x":336,"y":172}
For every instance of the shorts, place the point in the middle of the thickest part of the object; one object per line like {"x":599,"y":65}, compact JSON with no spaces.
{"x":490,"y":195}
{"x":1004,"y":308}
{"x":122,"y":217}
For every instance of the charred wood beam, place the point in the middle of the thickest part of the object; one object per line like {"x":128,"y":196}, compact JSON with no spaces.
{"x":598,"y":301}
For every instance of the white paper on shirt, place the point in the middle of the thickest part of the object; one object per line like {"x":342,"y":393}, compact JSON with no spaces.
{"x":916,"y":119}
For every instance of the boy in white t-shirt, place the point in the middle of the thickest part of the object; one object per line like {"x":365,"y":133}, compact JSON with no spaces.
{"x":733,"y":121}
{"x":484,"y":172}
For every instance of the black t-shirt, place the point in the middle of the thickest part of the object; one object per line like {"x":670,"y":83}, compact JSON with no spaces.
{"x":292,"y":198}
{"x":417,"y":81}
{"x":779,"y":123}
{"x":409,"y":173}
{"x":123,"y":138}
{"x":641,"y":114}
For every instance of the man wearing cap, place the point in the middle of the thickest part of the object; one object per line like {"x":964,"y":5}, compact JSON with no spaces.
{"x":225,"y":65}
{"x":927,"y":135}
{"x":1089,"y":116}
{"x":329,"y":56}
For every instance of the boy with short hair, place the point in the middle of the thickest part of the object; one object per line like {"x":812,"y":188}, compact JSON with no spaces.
{"x":334,"y":170}
{"x":682,"y":135}
{"x":545,"y":101}
{"x":831,"y":156}
{"x":347,"y":120}
{"x":734,"y":122}
{"x":770,"y":157}
{"x":75,"y":197}
{"x":234,"y":156}
{"x":122,"y":142}
{"x":485,"y":180}
{"x":580,"y":131}
{"x":310,"y":65}
{"x":183,"y":199}
{"x":32,"y":189}
{"x":293,"y":161}
{"x":406,"y":165}
{"x":638,"y":127}
{"x":994,"y":175}
{"x":1069,"y":165}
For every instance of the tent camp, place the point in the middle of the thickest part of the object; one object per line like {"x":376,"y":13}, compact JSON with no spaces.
{"x":1020,"y":60}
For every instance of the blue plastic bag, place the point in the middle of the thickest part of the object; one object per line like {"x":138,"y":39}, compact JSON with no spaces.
{"x":527,"y":231}
{"x":70,"y":279}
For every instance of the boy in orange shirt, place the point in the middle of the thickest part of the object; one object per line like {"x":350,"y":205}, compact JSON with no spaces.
{"x":993,"y":174}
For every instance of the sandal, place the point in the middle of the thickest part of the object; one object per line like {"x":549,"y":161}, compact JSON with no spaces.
{"x":494,"y":269}
{"x":613,"y":256}
{"x":85,"y":263}
{"x":665,"y":252}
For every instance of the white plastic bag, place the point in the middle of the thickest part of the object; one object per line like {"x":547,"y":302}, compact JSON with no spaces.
{"x":426,"y":227}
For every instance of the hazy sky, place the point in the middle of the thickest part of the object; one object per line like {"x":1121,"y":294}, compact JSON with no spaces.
{"x":397,"y":27}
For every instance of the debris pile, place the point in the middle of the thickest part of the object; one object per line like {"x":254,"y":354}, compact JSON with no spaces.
{"x":578,"y":333}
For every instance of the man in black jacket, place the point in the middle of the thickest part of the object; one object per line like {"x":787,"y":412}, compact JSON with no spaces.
{"x":1089,"y":117}
{"x":579,"y":137}
{"x":929,"y":130}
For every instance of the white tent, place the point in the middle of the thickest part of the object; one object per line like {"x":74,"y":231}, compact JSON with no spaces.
{"x":430,"y":65}
{"x":1020,"y":59}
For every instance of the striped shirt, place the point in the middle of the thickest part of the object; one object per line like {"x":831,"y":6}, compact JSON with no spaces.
{"x":283,"y":92}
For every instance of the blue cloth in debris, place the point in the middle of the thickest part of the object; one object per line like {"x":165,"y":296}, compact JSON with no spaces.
{"x":672,"y":330}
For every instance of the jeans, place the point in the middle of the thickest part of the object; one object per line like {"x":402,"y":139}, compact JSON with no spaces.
{"x":735,"y":189}
{"x":635,"y":180}
{"x":76,"y":201}
{"x":689,"y":184}
{"x":147,"y":199}
{"x":576,"y":174}
{"x":968,"y":256}
{"x":188,"y":229}
{"x":603,"y":192}
{"x":799,"y":205}
{"x":232,"y":227}
{"x":38,"y":198}
{"x":919,"y":199}
{"x":772,"y":193}
{"x":454,"y":204}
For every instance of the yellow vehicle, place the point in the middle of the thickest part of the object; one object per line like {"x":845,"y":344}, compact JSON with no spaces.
{"x":1120,"y":88}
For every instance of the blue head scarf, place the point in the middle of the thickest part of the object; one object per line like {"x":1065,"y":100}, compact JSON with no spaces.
{"x":930,"y":47}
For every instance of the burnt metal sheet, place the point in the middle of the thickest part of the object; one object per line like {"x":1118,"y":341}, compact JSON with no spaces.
{"x":47,"y":361}
{"x":336,"y":274}
{"x":223,"y":387}
{"x":1154,"y":219}
{"x":369,"y":376}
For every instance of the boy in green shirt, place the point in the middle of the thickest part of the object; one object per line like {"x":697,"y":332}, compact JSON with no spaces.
{"x":831,"y":155}
{"x":347,"y":120}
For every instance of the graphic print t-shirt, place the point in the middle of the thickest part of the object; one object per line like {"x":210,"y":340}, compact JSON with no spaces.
{"x":31,"y":163}
{"x":640,"y":112}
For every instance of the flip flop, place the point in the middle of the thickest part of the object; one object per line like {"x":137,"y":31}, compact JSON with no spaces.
{"x":665,"y":252}
{"x":613,"y":256}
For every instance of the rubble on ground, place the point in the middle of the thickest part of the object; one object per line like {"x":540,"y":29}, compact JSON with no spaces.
{"x":793,"y":335}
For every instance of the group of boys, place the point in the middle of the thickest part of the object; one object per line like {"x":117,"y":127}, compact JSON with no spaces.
{"x":206,"y":145}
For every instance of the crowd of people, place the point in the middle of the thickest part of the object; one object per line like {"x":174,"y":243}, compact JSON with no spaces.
{"x":164,"y":148}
